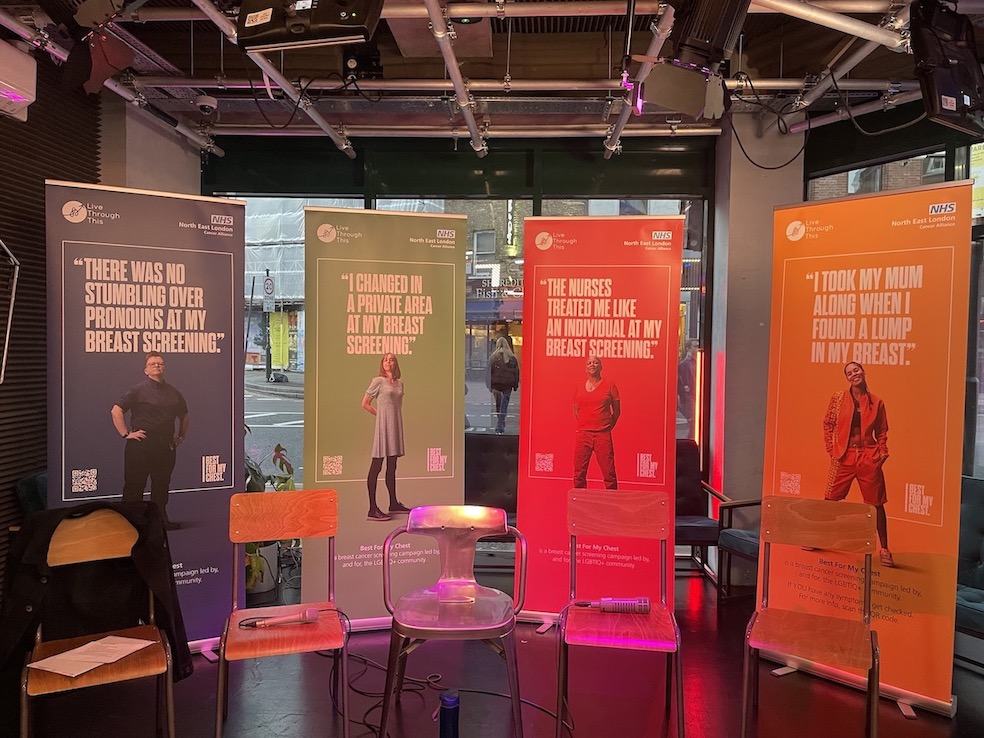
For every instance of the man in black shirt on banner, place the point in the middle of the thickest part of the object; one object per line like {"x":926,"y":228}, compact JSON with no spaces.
{"x":151,"y":442}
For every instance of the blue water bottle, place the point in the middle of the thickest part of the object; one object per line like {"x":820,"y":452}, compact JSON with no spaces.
{"x":449,"y":714}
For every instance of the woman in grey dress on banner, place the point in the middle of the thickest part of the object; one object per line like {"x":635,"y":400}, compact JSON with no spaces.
{"x":386,"y":390}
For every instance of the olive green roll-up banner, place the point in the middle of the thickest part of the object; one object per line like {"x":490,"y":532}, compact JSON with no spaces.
{"x":380,"y":283}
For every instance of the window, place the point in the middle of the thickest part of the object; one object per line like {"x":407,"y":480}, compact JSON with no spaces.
{"x":894,"y":175}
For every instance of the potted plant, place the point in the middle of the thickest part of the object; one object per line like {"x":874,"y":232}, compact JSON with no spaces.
{"x":262,"y":557}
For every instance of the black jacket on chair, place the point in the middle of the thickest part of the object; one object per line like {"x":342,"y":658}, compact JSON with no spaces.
{"x":84,"y":598}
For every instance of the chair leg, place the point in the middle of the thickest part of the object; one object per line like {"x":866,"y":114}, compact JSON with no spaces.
{"x":746,"y":688}
{"x":874,"y":688}
{"x":392,"y":664}
{"x":401,"y":671}
{"x":25,"y":706}
{"x":756,"y":682}
{"x":561,"y":682}
{"x":344,"y":699}
{"x":169,"y":699}
{"x":724,"y":574}
{"x":678,"y":660}
{"x":668,"y":698}
{"x":221,"y":701}
{"x":512,"y":673}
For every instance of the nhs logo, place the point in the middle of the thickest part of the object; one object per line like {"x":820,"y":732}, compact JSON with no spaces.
{"x":445,"y":233}
{"x":662,"y":235}
{"x":943,"y":207}
{"x":225,"y":220}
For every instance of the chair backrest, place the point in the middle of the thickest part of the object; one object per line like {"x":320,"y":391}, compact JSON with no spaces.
{"x":269,"y":516}
{"x":275,"y":516}
{"x":100,"y":535}
{"x":457,"y":529}
{"x":491,"y":470}
{"x":828,"y":525}
{"x":691,"y":499}
{"x":848,"y":527}
{"x":618,"y":514}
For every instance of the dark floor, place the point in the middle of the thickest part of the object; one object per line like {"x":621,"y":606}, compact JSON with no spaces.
{"x":614,"y":694}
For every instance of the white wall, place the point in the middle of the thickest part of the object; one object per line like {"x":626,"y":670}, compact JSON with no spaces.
{"x":141,"y":152}
{"x":745,"y":196}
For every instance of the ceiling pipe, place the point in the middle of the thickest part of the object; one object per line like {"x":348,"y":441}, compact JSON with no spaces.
{"x":499,"y":86}
{"x":893,"y":22}
{"x":814,"y":14}
{"x":228,"y":28}
{"x":546,"y":9}
{"x":885,"y":103}
{"x":441,"y":28}
{"x":556,"y":131}
{"x":660,"y":33}
{"x":852,"y":85}
{"x":40,"y":41}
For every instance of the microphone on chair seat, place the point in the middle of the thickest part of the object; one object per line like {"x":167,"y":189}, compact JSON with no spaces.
{"x":634,"y":605}
{"x":310,"y":615}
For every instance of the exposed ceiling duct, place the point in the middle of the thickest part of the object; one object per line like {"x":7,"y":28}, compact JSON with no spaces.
{"x":542,"y":68}
{"x":43,"y":43}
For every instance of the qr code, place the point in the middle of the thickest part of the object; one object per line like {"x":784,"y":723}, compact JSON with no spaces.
{"x":789,"y":483}
{"x":331,"y":466}
{"x":544,"y":462}
{"x":83,"y":480}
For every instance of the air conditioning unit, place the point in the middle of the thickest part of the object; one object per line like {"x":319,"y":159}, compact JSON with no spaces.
{"x":276,"y":25}
{"x":18,"y":81}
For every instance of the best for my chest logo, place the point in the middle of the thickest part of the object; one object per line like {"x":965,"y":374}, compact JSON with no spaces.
{"x":213,"y":470}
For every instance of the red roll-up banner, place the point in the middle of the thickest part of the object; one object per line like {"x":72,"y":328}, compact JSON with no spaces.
{"x":599,"y":391}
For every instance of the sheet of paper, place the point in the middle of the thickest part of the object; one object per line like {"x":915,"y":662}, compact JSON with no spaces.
{"x":89,"y":656}
{"x":65,"y":665}
{"x":109,"y":649}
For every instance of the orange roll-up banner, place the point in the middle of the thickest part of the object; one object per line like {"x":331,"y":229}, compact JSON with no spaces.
{"x":879,"y":281}
{"x":607,"y":288}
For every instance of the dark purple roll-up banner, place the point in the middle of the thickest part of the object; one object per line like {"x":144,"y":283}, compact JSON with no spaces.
{"x":131,"y":273}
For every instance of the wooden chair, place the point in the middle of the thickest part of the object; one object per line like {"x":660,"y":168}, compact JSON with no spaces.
{"x":101,"y":535}
{"x":846,"y":527}
{"x":621,"y":514}
{"x":264,"y":516}
{"x":456,"y":607}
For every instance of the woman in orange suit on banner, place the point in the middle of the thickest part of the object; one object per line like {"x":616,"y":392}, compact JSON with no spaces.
{"x":855,"y":431}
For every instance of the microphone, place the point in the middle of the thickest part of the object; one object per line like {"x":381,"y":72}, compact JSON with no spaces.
{"x":310,"y":615}
{"x":634,"y":605}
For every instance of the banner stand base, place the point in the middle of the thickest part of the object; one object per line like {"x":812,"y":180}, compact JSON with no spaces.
{"x":947,"y":709}
{"x":906,"y":709}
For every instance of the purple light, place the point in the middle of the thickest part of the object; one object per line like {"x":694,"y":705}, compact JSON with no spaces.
{"x":12,"y":96}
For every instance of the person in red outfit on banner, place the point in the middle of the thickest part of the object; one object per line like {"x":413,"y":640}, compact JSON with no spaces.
{"x":596,"y":410}
{"x":855,"y":430}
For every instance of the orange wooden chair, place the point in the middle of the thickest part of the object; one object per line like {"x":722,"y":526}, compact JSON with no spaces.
{"x":809,"y":638}
{"x":100,"y":535}
{"x":266,"y":516}
{"x":620,"y":514}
